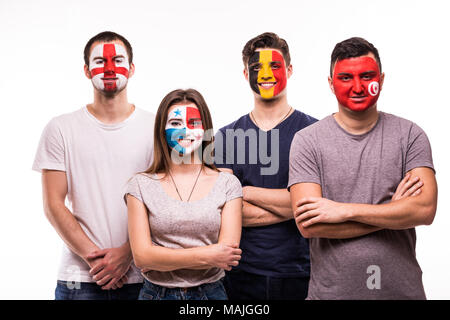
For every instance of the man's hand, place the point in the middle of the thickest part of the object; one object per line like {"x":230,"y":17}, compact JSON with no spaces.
{"x":408,"y":187}
{"x":313,"y":210}
{"x":109,"y":266}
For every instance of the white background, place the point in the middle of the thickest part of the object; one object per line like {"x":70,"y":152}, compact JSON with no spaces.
{"x":180,"y":44}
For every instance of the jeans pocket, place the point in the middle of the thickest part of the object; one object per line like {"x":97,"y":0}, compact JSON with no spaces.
{"x":149,"y":292}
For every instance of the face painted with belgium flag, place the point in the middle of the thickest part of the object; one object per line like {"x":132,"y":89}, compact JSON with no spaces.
{"x":267,"y":73}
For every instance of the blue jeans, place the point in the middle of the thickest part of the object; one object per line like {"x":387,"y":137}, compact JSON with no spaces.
{"x":241,"y":285}
{"x":207,"y":291}
{"x":91,"y":291}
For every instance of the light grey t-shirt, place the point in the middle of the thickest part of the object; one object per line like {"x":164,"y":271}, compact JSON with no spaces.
{"x":362,"y":169}
{"x":179,"y":224}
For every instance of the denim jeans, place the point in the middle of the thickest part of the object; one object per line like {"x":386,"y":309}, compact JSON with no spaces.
{"x":241,"y":285}
{"x":207,"y":291}
{"x":91,"y":291}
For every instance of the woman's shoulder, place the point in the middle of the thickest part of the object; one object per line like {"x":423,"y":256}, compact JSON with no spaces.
{"x":145,"y":179}
{"x":229,"y":179}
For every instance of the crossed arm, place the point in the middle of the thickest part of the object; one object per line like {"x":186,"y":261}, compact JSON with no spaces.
{"x":262,"y":206}
{"x":319,"y":217}
{"x":225,"y":254}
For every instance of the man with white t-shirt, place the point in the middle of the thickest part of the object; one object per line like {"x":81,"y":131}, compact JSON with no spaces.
{"x":88,"y":156}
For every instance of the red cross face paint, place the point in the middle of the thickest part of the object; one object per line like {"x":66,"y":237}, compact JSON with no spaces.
{"x":109,"y":67}
{"x":267,"y":73}
{"x":356,"y":82}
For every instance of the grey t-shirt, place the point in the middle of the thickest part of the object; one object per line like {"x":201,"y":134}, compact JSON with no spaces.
{"x":362,"y":169}
{"x":178,"y":224}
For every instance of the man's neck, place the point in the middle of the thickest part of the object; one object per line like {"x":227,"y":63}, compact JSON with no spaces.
{"x":110,"y":110}
{"x":269,"y":113}
{"x":357,"y":122}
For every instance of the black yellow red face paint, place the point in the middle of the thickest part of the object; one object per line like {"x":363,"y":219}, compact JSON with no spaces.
{"x":267,"y":73}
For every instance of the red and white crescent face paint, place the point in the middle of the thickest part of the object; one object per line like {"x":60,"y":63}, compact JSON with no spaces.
{"x":356,"y":82}
{"x":109,"y":66}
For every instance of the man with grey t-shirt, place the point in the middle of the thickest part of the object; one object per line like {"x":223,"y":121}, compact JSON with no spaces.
{"x":344,"y":171}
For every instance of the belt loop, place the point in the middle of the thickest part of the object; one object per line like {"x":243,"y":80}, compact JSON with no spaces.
{"x":163,"y":291}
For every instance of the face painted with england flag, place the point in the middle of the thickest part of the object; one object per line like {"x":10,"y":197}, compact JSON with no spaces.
{"x":356,"y":82}
{"x":109,"y":67}
{"x":184,"y":128}
{"x":267,"y":73}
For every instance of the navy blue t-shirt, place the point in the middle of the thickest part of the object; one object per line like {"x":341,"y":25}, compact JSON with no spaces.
{"x":277,"y":250}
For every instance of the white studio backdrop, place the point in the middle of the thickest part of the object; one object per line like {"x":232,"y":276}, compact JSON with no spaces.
{"x":181,"y":44}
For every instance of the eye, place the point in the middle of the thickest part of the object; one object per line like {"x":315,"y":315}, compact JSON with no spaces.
{"x":196,"y":123}
{"x":118,"y":60}
{"x":175,"y":123}
{"x":99,"y":61}
{"x":344,"y":78}
{"x":276,"y":66}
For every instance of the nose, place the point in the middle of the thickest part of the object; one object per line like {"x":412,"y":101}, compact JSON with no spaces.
{"x":109,"y":66}
{"x":266,"y":72}
{"x":357,"y":86}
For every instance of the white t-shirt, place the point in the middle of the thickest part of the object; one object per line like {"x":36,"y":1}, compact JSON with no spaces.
{"x":98,"y":159}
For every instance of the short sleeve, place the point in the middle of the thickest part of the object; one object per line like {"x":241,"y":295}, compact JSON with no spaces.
{"x":233,"y":187}
{"x":133,"y":188}
{"x":50,"y":152}
{"x":220,"y":147}
{"x":418,"y":153}
{"x":303,"y":165}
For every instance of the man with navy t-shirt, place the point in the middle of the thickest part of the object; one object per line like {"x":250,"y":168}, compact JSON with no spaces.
{"x":275,"y":257}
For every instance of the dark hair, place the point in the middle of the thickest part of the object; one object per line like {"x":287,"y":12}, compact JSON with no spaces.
{"x":352,"y":48}
{"x":266,"y":40}
{"x":107,"y":36}
{"x":161,"y":152}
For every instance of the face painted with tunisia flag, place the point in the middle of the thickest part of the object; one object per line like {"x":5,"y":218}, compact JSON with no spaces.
{"x":109,"y":67}
{"x":356,"y":82}
{"x":267,"y":73}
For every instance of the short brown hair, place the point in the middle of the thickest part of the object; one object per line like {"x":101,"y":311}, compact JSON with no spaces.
{"x":266,"y":40}
{"x":353,"y":48}
{"x":107,"y":36}
{"x":161,"y":152}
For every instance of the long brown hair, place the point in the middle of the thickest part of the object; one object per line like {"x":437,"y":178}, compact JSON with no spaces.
{"x":161,"y":150}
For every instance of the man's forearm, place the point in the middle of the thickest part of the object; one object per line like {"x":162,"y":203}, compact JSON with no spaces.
{"x":277,"y":201}
{"x":254,"y":216}
{"x":344,"y":230}
{"x":402,"y":214}
{"x":70,"y":231}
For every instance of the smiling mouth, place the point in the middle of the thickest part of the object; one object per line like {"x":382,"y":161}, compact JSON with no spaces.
{"x":358,"y":98}
{"x":109,"y":79}
{"x":267,"y":85}
{"x":185,"y":142}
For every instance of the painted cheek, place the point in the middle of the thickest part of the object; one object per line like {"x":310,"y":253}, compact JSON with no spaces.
{"x":280,"y":74}
{"x":172,"y":136}
{"x":252,"y":74}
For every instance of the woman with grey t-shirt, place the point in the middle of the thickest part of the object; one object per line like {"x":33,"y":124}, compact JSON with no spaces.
{"x":184,"y":215}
